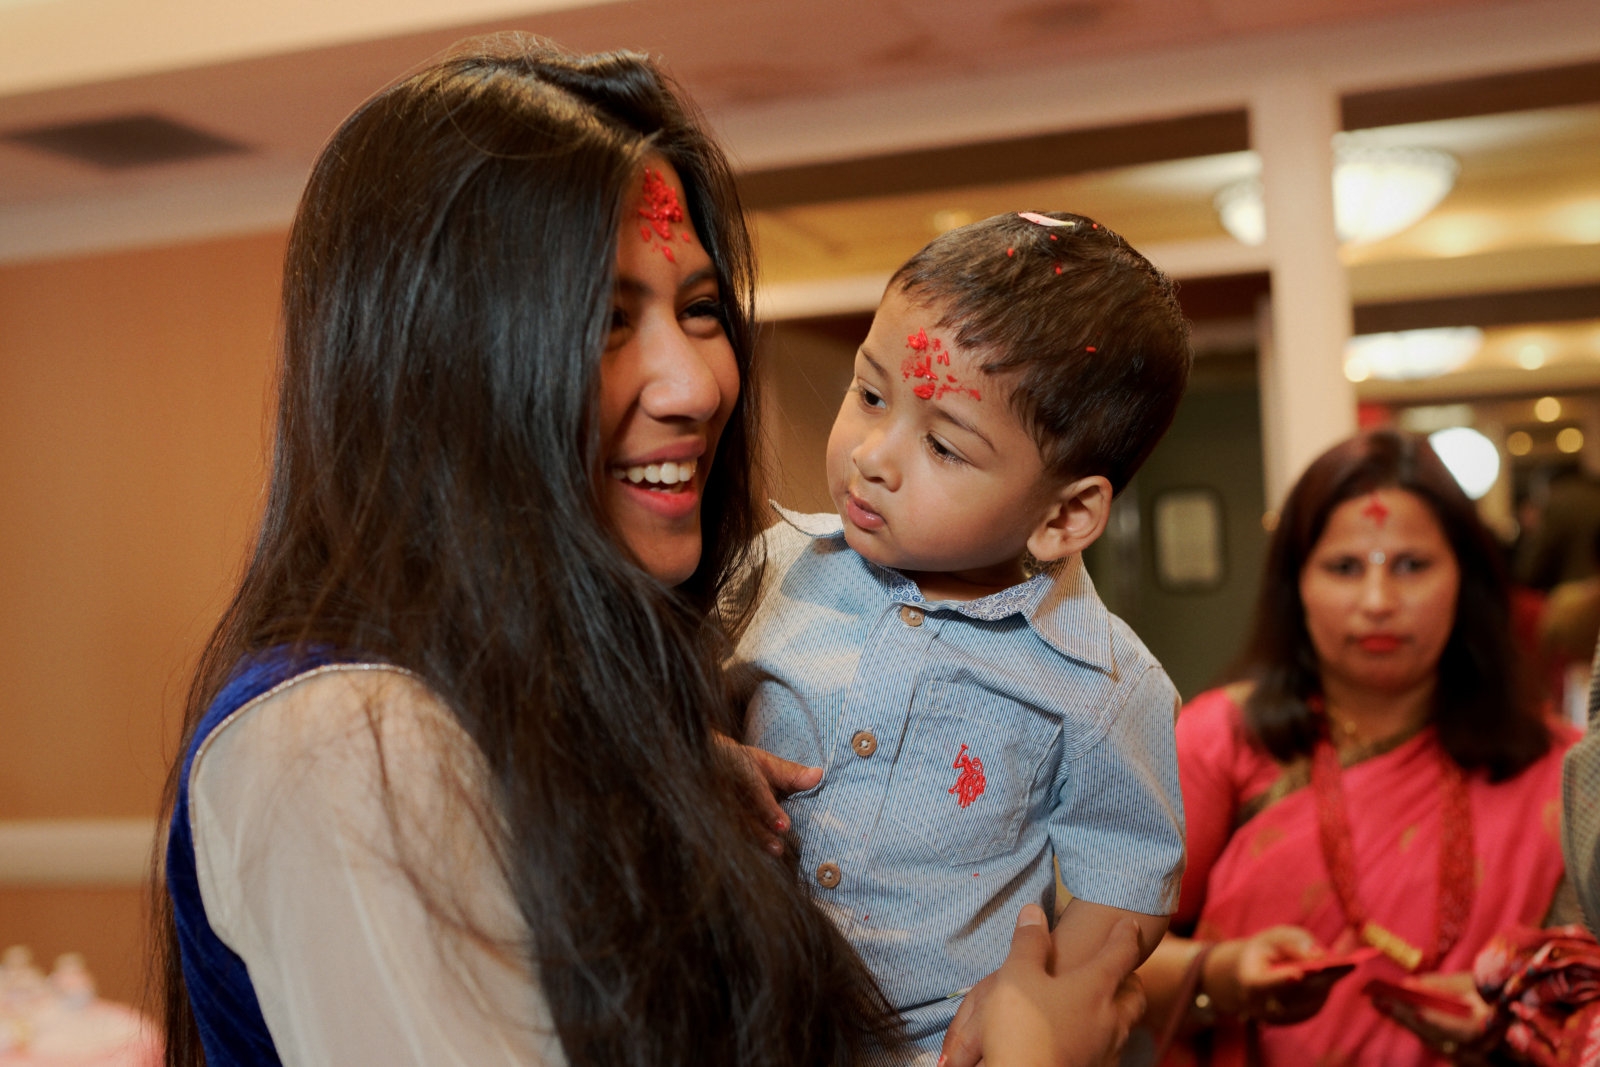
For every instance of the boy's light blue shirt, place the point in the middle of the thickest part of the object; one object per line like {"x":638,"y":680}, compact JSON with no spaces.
{"x":1064,"y":715}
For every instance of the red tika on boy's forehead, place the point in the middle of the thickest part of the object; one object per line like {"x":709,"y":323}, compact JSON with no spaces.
{"x":659,"y":210}
{"x":930,"y":350}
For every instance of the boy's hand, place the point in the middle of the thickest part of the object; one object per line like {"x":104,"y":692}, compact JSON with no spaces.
{"x":767,"y":777}
{"x":1024,"y":1015}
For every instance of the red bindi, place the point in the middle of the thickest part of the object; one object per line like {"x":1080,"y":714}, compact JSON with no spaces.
{"x":660,"y":209}
{"x":1376,"y":510}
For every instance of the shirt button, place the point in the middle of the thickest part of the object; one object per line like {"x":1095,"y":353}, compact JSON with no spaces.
{"x":828,"y":875}
{"x":911,"y":616}
{"x":864,"y":743}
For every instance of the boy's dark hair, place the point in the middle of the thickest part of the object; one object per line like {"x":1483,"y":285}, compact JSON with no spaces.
{"x":1092,"y":331}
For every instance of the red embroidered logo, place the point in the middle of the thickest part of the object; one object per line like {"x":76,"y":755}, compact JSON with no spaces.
{"x":969,"y":786}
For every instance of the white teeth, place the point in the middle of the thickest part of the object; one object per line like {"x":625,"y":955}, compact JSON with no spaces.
{"x":656,"y":473}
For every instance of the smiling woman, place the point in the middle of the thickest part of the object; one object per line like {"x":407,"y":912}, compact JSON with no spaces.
{"x":1378,"y":776}
{"x":450,"y":790}
{"x":669,"y":379}
{"x":456,"y":785}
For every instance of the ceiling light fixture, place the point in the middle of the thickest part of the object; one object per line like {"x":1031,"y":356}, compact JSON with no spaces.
{"x":1410,"y":354}
{"x":1377,"y":192}
{"x":1469,"y":456}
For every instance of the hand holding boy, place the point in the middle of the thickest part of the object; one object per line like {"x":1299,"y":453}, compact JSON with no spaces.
{"x":1014,"y":1017}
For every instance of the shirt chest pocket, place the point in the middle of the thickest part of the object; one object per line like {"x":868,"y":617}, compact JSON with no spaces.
{"x":967,"y":771}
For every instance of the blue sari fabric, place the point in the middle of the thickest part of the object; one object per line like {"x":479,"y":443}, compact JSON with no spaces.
{"x":232,"y":1029}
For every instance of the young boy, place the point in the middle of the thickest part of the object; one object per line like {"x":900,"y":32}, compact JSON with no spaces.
{"x":937,"y":647}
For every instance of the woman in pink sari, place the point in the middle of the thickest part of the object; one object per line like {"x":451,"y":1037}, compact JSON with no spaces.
{"x":1376,"y":790}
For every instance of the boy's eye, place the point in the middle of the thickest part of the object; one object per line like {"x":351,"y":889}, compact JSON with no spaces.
{"x":942,"y":452}
{"x":869,"y":396}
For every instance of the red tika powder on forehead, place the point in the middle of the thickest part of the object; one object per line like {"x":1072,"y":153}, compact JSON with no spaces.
{"x":661,"y":207}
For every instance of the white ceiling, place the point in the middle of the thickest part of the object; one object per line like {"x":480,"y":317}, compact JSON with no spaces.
{"x":790,"y":83}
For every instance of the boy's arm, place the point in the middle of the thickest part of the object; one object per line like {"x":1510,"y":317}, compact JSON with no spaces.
{"x":1117,"y":827}
{"x":1084,"y":927}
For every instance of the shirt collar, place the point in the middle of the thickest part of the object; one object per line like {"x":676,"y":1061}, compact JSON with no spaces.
{"x":1059,"y":604}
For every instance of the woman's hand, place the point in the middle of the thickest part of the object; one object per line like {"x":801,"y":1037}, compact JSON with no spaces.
{"x":1025,"y":1015}
{"x":1459,"y":1038}
{"x":1252,"y":976}
{"x":767,"y":777}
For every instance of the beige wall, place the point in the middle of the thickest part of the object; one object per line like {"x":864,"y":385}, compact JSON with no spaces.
{"x":806,"y":369}
{"x":132,"y":422}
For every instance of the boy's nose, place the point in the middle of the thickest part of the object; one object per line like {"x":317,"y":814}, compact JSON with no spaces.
{"x":874,"y":458}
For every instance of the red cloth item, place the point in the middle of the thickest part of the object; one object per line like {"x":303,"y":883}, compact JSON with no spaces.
{"x":1544,"y":987}
{"x":1250,"y":869}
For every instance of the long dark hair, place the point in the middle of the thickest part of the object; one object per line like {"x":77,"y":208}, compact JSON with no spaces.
{"x":1483,"y":706}
{"x":447,"y":293}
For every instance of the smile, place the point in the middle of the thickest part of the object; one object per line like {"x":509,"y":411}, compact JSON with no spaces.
{"x":663,"y":477}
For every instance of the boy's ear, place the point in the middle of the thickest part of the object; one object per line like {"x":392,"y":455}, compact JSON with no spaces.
{"x":1076,"y":515}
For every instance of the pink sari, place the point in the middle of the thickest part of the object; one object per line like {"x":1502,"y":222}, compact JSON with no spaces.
{"x":1255,"y":861}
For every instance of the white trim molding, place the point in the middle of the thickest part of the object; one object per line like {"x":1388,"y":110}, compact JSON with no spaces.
{"x":76,"y":852}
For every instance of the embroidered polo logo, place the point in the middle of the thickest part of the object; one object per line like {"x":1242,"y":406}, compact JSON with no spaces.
{"x":969,"y":786}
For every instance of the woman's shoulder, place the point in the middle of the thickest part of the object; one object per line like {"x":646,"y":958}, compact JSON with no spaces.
{"x":1547,"y":768}
{"x":342,"y":719}
{"x":1212,"y":731}
{"x":1217,"y":711}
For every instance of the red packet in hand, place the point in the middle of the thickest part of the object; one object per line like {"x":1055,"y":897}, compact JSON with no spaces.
{"x":1332,"y":961}
{"x":1416,"y":995}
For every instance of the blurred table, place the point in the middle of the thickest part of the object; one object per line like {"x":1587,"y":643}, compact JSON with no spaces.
{"x":99,"y":1034}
